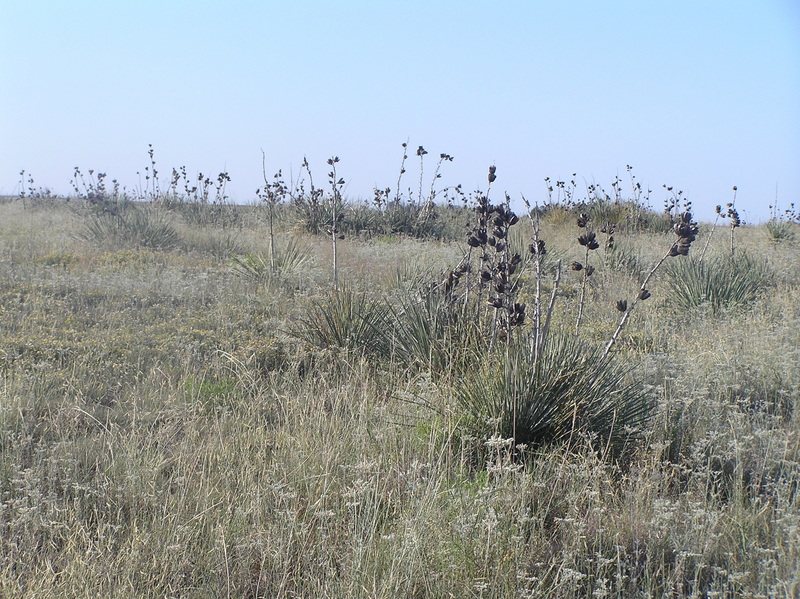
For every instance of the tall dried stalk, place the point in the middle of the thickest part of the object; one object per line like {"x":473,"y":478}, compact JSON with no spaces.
{"x":335,"y":205}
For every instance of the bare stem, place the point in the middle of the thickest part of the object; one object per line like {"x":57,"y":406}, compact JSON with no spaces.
{"x":708,"y":239}
{"x":583,"y":292}
{"x":271,"y":212}
{"x":402,"y":172}
{"x":537,"y":301}
{"x":546,"y":328}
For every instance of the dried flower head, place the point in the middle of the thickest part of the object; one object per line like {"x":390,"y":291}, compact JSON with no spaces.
{"x":686,"y":230}
{"x":589,"y":240}
{"x":538,"y":248}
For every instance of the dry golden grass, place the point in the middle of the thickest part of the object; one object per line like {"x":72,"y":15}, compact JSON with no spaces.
{"x":162,"y":433}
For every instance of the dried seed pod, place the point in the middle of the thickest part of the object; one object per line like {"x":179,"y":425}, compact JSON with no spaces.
{"x":644,"y":294}
{"x":683,"y":245}
{"x":622,"y":305}
{"x":589,"y":240}
{"x":492,"y":176}
{"x":538,"y":248}
{"x":589,"y":271}
{"x":685,"y":230}
{"x":499,"y":233}
{"x":473,"y":241}
{"x":513,"y":219}
{"x":500,"y":247}
{"x":576,"y":266}
{"x":486,"y":275}
{"x":583,"y":220}
{"x":607,"y":228}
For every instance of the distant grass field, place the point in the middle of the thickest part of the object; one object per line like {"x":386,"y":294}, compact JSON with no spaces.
{"x":183,"y":414}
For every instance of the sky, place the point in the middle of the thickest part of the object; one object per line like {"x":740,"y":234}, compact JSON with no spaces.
{"x":696,"y":95}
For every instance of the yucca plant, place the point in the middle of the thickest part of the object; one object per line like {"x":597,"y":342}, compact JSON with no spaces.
{"x":567,"y":393}
{"x":623,"y":257}
{"x":722,"y":282}
{"x":283,"y":263}
{"x":412,"y":220}
{"x":433,"y":332}
{"x":346,"y":320}
{"x":780,"y":230}
{"x":134,"y":227}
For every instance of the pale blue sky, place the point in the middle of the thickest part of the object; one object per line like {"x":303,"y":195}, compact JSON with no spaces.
{"x":699,"y":95}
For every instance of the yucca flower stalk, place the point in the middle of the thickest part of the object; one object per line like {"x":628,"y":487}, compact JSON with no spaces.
{"x":686,"y":231}
{"x":589,"y":241}
{"x":336,"y":184}
{"x":271,"y":194}
{"x":538,"y":249}
{"x":733,"y":215}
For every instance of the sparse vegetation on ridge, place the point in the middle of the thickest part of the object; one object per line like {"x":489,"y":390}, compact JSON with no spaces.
{"x":472,"y":402}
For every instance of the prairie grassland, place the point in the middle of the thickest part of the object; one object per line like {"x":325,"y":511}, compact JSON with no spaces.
{"x":172,"y":425}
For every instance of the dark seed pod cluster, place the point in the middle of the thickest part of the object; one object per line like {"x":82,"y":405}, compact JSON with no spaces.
{"x":538,"y":248}
{"x":589,"y":239}
{"x":731,"y":213}
{"x":490,"y":235}
{"x":577,"y":266}
{"x":686,"y":230}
